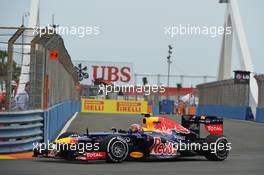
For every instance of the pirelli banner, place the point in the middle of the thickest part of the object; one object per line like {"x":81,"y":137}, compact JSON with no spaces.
{"x":114,"y":106}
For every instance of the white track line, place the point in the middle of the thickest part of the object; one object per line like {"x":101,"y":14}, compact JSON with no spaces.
{"x":66,"y":126}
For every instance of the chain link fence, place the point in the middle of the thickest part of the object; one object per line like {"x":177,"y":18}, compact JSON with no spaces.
{"x":50,"y":81}
{"x":183,"y":80}
{"x":14,"y":49}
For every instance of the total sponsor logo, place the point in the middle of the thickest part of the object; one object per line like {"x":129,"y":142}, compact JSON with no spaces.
{"x":214,"y":128}
{"x":92,"y":105}
{"x":128,"y":107}
{"x":159,"y":148}
{"x":92,"y":156}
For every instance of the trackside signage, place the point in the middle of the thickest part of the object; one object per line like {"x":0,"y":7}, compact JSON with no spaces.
{"x":134,"y":107}
{"x":92,"y":105}
{"x":115,"y":72}
{"x":114,"y":106}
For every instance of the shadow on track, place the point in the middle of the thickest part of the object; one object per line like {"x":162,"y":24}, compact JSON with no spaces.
{"x":62,"y":161}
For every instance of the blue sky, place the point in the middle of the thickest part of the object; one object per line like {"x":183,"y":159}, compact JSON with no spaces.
{"x":133,"y":31}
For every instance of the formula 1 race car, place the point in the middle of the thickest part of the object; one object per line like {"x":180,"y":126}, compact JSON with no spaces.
{"x":158,"y":138}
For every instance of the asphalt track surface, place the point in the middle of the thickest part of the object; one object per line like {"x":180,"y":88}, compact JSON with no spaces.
{"x":246,"y":157}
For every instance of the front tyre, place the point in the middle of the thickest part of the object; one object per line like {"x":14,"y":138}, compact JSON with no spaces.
{"x":219,"y":149}
{"x":116,"y":150}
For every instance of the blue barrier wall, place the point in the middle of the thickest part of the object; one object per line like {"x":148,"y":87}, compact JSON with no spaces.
{"x":19,"y":130}
{"x":260,"y":115}
{"x":232,"y":112}
{"x":166,"y":107}
{"x":155,"y":110}
{"x":56,"y":117}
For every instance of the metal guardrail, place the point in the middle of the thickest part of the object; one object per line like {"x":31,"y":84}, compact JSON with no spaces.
{"x":19,"y":130}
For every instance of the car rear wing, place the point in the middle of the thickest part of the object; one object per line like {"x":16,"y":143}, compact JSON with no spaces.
{"x":213,"y":124}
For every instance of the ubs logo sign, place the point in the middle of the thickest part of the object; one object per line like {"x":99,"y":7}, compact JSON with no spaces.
{"x":115,"y":72}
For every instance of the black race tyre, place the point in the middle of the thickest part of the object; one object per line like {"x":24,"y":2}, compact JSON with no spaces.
{"x":219,"y":148}
{"x":116,"y":149}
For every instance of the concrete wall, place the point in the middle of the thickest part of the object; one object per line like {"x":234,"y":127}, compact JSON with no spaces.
{"x":224,"y":98}
{"x":260,"y":109}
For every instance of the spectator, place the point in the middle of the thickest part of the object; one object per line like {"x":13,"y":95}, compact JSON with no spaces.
{"x":13,"y":92}
{"x":22,"y":98}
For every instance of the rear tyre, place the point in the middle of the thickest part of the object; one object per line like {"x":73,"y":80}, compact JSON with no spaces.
{"x":116,"y":149}
{"x":218,"y":147}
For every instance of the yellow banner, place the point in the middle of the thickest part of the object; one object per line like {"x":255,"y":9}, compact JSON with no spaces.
{"x":114,"y":106}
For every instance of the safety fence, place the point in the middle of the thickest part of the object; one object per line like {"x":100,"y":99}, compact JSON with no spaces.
{"x":224,"y":98}
{"x":14,"y":50}
{"x":53,"y":96}
{"x":56,"y":78}
{"x":19,"y":130}
{"x":260,"y":108}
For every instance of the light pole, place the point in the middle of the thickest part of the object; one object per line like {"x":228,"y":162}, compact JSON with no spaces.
{"x":169,"y":62}
{"x":25,"y":14}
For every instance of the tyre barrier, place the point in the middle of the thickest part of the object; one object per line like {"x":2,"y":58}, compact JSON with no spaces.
{"x":19,"y":130}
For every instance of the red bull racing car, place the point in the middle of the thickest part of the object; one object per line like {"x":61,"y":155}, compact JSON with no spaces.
{"x":157,"y":138}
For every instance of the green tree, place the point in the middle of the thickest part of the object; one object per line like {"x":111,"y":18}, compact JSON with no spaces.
{"x":3,"y":67}
{"x":3,"y":54}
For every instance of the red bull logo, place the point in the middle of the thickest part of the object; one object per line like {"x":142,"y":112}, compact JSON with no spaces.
{"x":159,"y":148}
{"x":166,"y":125}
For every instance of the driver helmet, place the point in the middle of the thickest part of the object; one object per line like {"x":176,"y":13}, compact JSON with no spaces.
{"x":135,"y":128}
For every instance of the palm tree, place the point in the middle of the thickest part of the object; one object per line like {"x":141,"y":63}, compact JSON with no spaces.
{"x":3,"y":66}
{"x":3,"y":54}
